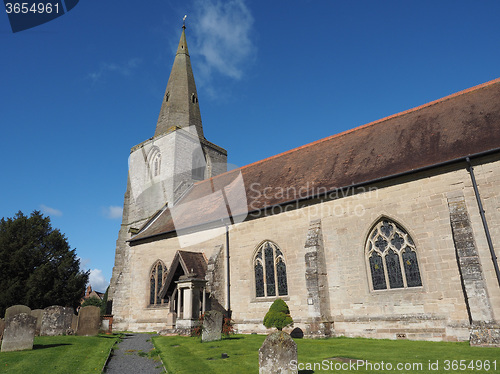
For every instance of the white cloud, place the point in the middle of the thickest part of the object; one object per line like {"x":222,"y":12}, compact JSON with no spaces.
{"x":50,"y":211}
{"x":97,"y":280}
{"x":113,"y":212}
{"x":222,"y":36}
{"x":124,"y":69}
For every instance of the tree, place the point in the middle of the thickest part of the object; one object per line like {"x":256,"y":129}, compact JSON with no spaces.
{"x":104,"y":302}
{"x":37,"y":266}
{"x":92,"y":301}
{"x":278,"y":315}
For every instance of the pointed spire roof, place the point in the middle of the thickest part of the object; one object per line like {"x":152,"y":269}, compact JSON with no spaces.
{"x":180,"y":108}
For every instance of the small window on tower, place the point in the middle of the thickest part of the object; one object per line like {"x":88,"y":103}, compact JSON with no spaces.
{"x":167,"y":96}
{"x":194,"y":99}
{"x":156,"y":165}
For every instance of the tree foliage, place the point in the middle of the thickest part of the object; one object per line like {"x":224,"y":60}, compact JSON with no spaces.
{"x":104,"y":302}
{"x":37,"y":266}
{"x":92,"y":301}
{"x":278,"y":315}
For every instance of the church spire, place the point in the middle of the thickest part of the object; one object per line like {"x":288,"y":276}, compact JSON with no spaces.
{"x":180,"y":108}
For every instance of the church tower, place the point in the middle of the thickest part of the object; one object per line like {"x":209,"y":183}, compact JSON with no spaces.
{"x":162,"y":169}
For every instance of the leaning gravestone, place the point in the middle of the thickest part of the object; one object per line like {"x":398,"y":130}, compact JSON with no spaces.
{"x":19,"y":333}
{"x":2,"y":327}
{"x":212,"y":326}
{"x":16,"y":309}
{"x":56,"y":320}
{"x":37,"y":313}
{"x":278,"y":354}
{"x":89,"y":320}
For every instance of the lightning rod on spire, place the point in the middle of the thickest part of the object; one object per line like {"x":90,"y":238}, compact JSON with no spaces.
{"x":184,"y":21}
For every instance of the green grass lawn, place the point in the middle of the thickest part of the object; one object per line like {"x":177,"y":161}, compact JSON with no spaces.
{"x":60,"y":354}
{"x":185,"y":355}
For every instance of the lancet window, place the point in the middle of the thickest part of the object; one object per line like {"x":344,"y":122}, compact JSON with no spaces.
{"x":270,"y":271}
{"x":154,"y":162}
{"x":392,"y":257}
{"x":156,"y":279}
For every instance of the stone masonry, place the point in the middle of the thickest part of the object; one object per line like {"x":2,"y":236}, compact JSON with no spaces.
{"x":484,"y":330}
{"x":317,"y":283}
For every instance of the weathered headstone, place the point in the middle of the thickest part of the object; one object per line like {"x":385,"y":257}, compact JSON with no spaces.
{"x":278,"y":354}
{"x":89,"y":320}
{"x":212,"y":326}
{"x":2,"y":327}
{"x":37,"y":313}
{"x":56,"y":320}
{"x":16,"y":309}
{"x":19,"y":333}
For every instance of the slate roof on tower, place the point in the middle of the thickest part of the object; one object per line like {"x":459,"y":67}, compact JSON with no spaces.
{"x":464,"y":124}
{"x":180,"y":106}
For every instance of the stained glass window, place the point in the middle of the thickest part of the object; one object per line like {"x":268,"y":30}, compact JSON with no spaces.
{"x":259,"y":280}
{"x":377,"y":269}
{"x":281,"y":272}
{"x":394,"y":269}
{"x":411,"y":268}
{"x":270,"y":271}
{"x":156,"y":279}
{"x":392,"y":257}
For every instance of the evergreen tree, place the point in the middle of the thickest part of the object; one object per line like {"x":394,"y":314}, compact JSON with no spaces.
{"x":37,"y":266}
{"x":92,"y":301}
{"x":104,"y":303}
{"x":278,"y":315}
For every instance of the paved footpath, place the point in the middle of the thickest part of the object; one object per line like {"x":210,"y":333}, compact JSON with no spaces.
{"x":130,"y":356}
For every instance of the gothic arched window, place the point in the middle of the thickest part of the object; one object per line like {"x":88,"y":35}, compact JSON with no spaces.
{"x":154,"y":162}
{"x":391,"y":256}
{"x":156,"y":278}
{"x":270,"y":271}
{"x":157,"y":165}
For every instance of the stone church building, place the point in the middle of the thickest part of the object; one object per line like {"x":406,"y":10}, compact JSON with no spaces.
{"x":389,"y":230}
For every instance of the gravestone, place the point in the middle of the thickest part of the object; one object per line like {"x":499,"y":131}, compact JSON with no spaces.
{"x":2,"y":327}
{"x":74,"y":323}
{"x":56,"y":320}
{"x":37,"y":313}
{"x":89,"y":320}
{"x":278,"y":354}
{"x":19,"y":333}
{"x":212,"y":326}
{"x":16,"y":309}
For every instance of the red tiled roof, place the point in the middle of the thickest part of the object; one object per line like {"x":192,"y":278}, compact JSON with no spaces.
{"x":460,"y":125}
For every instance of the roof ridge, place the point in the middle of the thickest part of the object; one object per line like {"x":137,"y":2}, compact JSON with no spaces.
{"x":369,"y":124}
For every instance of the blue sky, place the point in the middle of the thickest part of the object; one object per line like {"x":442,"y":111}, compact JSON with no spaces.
{"x":78,"y":92}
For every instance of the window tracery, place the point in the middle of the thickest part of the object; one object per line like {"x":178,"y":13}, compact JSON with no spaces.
{"x":270,"y":271}
{"x":156,"y":279}
{"x":392,"y":258}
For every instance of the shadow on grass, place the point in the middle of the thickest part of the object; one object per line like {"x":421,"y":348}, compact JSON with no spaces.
{"x":232,"y":338}
{"x":306,"y":371}
{"x":43,"y":346}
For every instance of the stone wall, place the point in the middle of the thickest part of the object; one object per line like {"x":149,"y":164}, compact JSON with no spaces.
{"x":418,"y":202}
{"x":147,"y":193}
